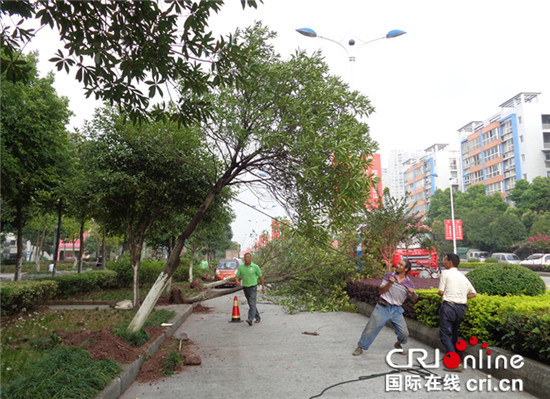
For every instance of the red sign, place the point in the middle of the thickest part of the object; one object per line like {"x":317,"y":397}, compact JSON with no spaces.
{"x":449,"y":230}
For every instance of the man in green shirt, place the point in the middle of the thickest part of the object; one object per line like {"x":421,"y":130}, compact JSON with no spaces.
{"x":249,"y":273}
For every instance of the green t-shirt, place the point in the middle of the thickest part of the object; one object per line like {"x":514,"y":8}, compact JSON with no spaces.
{"x":249,"y":274}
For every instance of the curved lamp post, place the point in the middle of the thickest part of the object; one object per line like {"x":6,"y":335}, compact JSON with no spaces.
{"x":308,"y":32}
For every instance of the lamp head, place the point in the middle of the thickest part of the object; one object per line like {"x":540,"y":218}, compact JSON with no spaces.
{"x":307,"y":32}
{"x":394,"y":33}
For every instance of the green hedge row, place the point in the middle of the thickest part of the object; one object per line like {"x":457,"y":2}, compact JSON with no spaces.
{"x":23,"y":296}
{"x":520,"y":323}
{"x":72,"y":284}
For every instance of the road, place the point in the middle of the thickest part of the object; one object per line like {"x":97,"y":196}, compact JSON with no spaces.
{"x":274,"y":359}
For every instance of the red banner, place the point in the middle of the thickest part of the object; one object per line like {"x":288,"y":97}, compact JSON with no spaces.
{"x":449,"y":230}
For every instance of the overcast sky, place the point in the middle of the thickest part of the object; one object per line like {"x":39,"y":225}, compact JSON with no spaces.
{"x":457,"y":63}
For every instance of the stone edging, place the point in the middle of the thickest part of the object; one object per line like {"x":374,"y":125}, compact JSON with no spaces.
{"x":130,"y":371}
{"x":535,"y":375}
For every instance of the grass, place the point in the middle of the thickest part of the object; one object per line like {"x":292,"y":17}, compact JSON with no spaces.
{"x":28,"y":338}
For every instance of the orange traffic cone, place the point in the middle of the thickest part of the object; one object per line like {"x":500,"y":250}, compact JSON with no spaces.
{"x":236,"y":317}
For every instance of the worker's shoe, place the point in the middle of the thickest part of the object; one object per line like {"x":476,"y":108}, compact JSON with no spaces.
{"x":358,"y":351}
{"x":399,"y":345}
{"x":249,"y":322}
{"x":258,"y":319}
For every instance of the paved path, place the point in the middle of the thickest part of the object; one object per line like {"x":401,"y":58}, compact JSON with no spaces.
{"x":274,"y":359}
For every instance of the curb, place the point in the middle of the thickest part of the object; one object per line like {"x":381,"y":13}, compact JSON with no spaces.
{"x":130,"y":371}
{"x":535,"y":375}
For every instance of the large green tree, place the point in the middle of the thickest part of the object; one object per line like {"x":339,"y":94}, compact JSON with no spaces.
{"x":34,"y":145}
{"x":534,"y":196}
{"x":290,"y":128}
{"x":139,"y":173}
{"x":116,"y":48}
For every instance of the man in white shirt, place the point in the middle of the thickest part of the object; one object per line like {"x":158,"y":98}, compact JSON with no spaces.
{"x":455,"y":289}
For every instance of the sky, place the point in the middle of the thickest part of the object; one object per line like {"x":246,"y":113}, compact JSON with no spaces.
{"x":457,"y":63}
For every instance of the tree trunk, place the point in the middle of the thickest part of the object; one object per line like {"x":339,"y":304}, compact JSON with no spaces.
{"x":81,"y":249}
{"x":211,"y":294}
{"x":37,"y":251}
{"x":193,"y":250}
{"x":58,"y":237}
{"x":75,"y":258}
{"x":173,"y":262}
{"x":19,"y":256}
{"x":103,"y":249}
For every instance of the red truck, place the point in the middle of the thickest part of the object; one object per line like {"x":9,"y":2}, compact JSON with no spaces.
{"x":421,"y":259}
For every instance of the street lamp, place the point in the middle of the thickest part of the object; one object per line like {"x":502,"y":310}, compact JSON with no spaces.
{"x":453,"y":215}
{"x":308,"y":32}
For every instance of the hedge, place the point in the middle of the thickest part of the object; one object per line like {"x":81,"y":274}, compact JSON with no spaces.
{"x":72,"y":284}
{"x":506,"y":279}
{"x":505,"y":321}
{"x":24,"y":295}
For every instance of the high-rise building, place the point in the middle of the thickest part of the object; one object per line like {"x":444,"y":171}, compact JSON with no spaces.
{"x":436,"y":168}
{"x":511,"y":145}
{"x":392,"y":175}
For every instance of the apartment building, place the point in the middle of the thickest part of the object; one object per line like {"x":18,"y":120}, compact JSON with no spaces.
{"x":436,"y":168}
{"x":392,"y":175}
{"x":511,"y":145}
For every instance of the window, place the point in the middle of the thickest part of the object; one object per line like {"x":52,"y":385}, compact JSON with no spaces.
{"x":491,"y":135}
{"x":494,"y":188}
{"x":521,"y":138}
{"x":525,"y":176}
{"x":519,"y":120}
{"x":492,"y":153}
{"x":523,"y":157}
{"x":476,"y":177}
{"x":492,"y":171}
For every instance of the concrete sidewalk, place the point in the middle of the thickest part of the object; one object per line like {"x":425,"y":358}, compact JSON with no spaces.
{"x":274,"y":359}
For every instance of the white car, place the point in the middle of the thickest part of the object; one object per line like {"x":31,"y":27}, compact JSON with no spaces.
{"x":506,"y":257}
{"x":536,"y":259}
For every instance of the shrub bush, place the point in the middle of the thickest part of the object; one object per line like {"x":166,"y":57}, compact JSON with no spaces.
{"x":527,"y":333}
{"x":25,"y":295}
{"x":72,"y":284}
{"x":506,"y":279}
{"x":491,"y":260}
{"x":473,"y":260}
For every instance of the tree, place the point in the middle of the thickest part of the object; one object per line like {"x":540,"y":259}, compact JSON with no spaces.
{"x":534,"y":196}
{"x":387,"y":224}
{"x":504,"y":231}
{"x":290,"y":128}
{"x":139,"y":173}
{"x":117,"y":46}
{"x":34,"y":145}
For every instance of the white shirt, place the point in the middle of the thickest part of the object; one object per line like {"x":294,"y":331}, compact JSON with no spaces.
{"x":455,"y":286}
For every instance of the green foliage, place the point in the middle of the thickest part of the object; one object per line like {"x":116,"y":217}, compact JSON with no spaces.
{"x":310,"y":274}
{"x":534,"y":196}
{"x":67,"y":372}
{"x":491,"y":260}
{"x":506,"y":279}
{"x":148,"y":272}
{"x":388,"y":224}
{"x":473,"y":260}
{"x":98,"y":37}
{"x":23,"y":296}
{"x":427,"y":307}
{"x":70,"y":285}
{"x":526,"y":332}
{"x":140,"y":337}
{"x":171,"y":362}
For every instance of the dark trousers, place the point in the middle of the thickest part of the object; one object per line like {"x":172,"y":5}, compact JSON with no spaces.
{"x":450,"y":317}
{"x":250,"y":293}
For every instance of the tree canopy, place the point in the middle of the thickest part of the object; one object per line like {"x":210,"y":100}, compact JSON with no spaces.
{"x":534,"y":196}
{"x":117,"y":47}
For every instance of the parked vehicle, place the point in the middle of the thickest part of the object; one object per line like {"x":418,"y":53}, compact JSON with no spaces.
{"x":226,"y":269}
{"x":422,"y":260}
{"x":477,"y":254}
{"x":536,"y":259}
{"x":506,"y":257}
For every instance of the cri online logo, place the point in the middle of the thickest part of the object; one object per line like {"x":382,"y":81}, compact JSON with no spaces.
{"x":451,"y":360}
